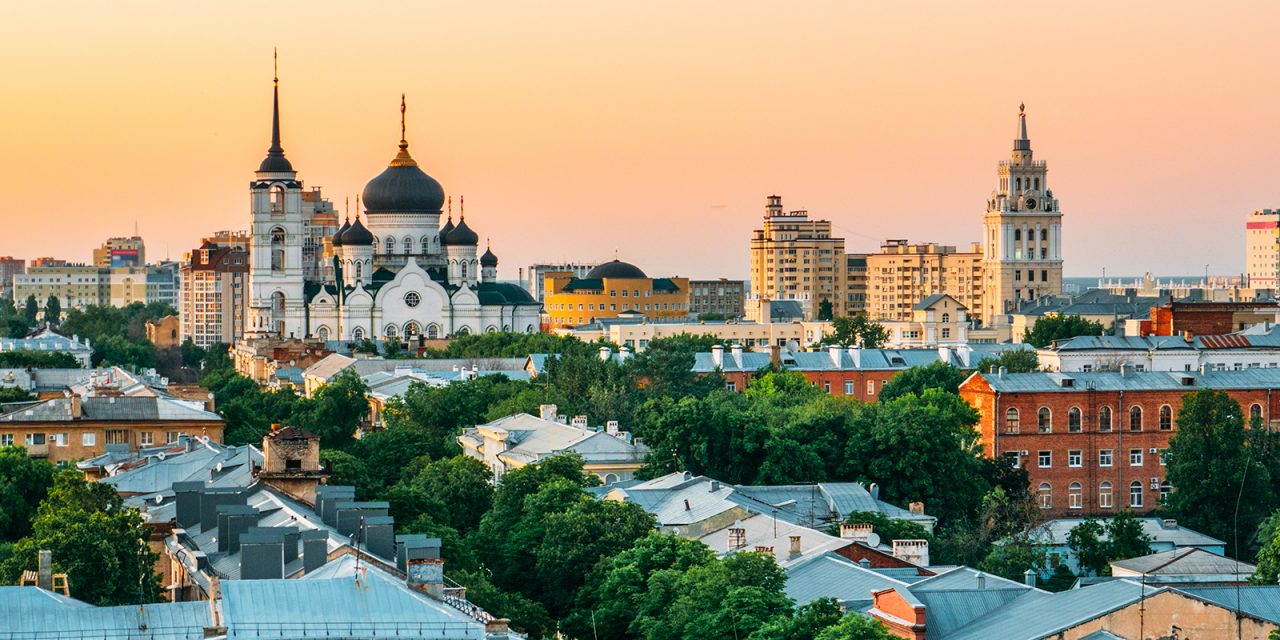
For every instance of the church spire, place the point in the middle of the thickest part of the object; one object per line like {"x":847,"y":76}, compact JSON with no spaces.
{"x":275,"y":162}
{"x":403,"y":159}
{"x":1022,"y":142}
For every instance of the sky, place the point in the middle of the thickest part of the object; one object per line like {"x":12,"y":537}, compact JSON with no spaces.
{"x":653,"y":131}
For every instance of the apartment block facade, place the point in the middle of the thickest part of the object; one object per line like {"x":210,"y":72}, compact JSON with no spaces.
{"x":794,"y":257}
{"x":724,"y":297}
{"x":1262,"y":247}
{"x":212,"y":305}
{"x":904,"y":274}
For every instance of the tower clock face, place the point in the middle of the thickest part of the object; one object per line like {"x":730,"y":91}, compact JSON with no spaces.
{"x":1030,"y":203}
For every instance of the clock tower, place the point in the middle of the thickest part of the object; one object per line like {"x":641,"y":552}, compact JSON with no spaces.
{"x":1022,"y":242}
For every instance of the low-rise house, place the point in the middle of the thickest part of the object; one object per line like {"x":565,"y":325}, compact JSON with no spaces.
{"x":164,"y":332}
{"x":46,"y":340}
{"x":519,"y":440}
{"x":324,"y":370}
{"x":937,"y":320}
{"x":259,"y":358}
{"x":1165,"y":535}
{"x":1185,"y":566}
{"x":851,"y":583}
{"x":1255,"y":348}
{"x":386,"y":385}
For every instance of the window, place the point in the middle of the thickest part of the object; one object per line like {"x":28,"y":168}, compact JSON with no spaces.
{"x":946,"y":317}
{"x":826,"y":386}
{"x":412,"y":299}
{"x":871,"y":387}
{"x":1011,"y":420}
{"x":1135,"y":495}
{"x":1075,"y":458}
{"x":433,"y":331}
{"x":117,"y":436}
{"x":35,"y":439}
{"x":1073,"y":420}
{"x":1104,"y":458}
{"x":145,"y":439}
{"x":1104,"y":419}
{"x":391,"y":246}
{"x":1135,"y":457}
{"x":6,"y":439}
{"x":1045,"y":459}
{"x":1046,"y":495}
{"x":1165,"y":489}
{"x":1017,"y":233}
{"x":1044,"y":420}
{"x":1104,"y":495}
{"x":1255,"y":412}
{"x":171,"y":437}
{"x":848,"y":387}
{"x":1135,"y":418}
{"x":88,"y":439}
{"x":1166,"y":417}
{"x":731,"y":386}
{"x":946,"y":333}
{"x":1075,"y":496}
{"x":357,"y":334}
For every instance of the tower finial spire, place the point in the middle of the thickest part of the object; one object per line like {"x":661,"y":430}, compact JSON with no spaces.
{"x":462,"y":208}
{"x":450,"y":207}
{"x":275,"y":161}
{"x":275,"y":66}
{"x":403,"y":159}
{"x":403,"y":141}
{"x":1022,"y":142}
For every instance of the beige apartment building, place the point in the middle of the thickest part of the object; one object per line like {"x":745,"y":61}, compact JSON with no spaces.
{"x":73,"y":285}
{"x":903,"y":274}
{"x":212,"y":301}
{"x":120,"y":252}
{"x":1262,"y":247}
{"x":796,"y":258}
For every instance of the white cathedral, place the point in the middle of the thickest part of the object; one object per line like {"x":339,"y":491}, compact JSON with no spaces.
{"x":397,"y":274}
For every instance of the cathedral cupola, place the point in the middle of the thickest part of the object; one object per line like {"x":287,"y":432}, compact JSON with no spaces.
{"x":402,"y":187}
{"x":357,"y":235}
{"x":448,"y":226}
{"x":337,"y":237}
{"x":488,"y":265}
{"x":463,"y":235}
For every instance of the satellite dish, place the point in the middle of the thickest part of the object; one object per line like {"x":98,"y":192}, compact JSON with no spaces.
{"x":160,"y":456}
{"x":873,"y":539}
{"x":218,"y":468}
{"x":159,"y":499}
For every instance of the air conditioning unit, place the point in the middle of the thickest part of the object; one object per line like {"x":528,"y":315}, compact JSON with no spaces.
{"x":1025,"y":452}
{"x":1155,"y":483}
{"x":1153,"y":451}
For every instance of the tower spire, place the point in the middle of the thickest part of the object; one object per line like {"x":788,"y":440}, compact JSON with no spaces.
{"x":275,"y":161}
{"x":403,"y":159}
{"x":1022,"y":142}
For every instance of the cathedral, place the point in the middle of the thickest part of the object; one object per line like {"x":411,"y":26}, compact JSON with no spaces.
{"x":394,"y":274}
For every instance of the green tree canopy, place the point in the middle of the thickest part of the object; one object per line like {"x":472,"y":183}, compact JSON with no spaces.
{"x":1059,"y":327}
{"x":855,"y":627}
{"x":1096,"y":543}
{"x":53,"y":310}
{"x":336,"y":410}
{"x":24,"y":483}
{"x":856,"y":330}
{"x":38,"y":360}
{"x":31,"y":309}
{"x":1268,"y":562}
{"x":937,"y":375}
{"x":1014,"y":361}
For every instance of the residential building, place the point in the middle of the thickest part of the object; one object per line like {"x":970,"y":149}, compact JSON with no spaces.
{"x":612,"y":289}
{"x":1112,"y":311}
{"x":260,"y":359}
{"x":857,"y":283}
{"x":163,"y":332}
{"x":47,"y":384}
{"x":325,"y":368}
{"x":534,"y":277}
{"x":387,"y":385}
{"x":764,"y":310}
{"x":1188,"y":566}
{"x":903,"y":274}
{"x":636,"y":335}
{"x":47,"y":261}
{"x":213,"y":289}
{"x":794,"y":257}
{"x":1254,"y":348}
{"x":938,"y":320}
{"x":121,"y":252}
{"x":841,"y":371}
{"x":10,"y":267}
{"x":1197,"y":318}
{"x":78,"y":286}
{"x":720,"y":297}
{"x":1163,"y":534}
{"x":519,"y":440}
{"x":1093,"y":443}
{"x":1262,"y":248}
{"x":1022,"y":241}
{"x":45,"y":339}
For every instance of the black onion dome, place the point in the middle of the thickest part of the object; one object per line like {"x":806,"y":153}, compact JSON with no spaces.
{"x":357,"y":235}
{"x":463,"y":235}
{"x":488,"y":259}
{"x":615,"y":269}
{"x":337,"y":236}
{"x":403,"y":188}
{"x":275,"y":163}
{"x":445,"y":230}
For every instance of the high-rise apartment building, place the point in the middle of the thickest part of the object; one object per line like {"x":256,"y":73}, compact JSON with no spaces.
{"x":47,"y":261}
{"x":903,"y":274}
{"x":1023,"y":233}
{"x":214,"y":276}
{"x":10,"y":267}
{"x":121,"y":252}
{"x":796,"y":258}
{"x":1262,"y":247}
{"x":82,"y":285}
{"x":856,"y":283}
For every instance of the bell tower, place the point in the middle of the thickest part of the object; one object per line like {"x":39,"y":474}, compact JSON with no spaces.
{"x":1022,"y":239}
{"x":275,"y":252}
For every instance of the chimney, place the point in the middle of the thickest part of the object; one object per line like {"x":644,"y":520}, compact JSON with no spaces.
{"x":1124,"y":370}
{"x":737,"y":537}
{"x":916,"y":508}
{"x":624,"y":353}
{"x":855,"y":354}
{"x":717,"y":355}
{"x":1029,"y":577}
{"x":914,"y":551}
{"x":865,"y":563}
{"x":44,"y":566}
{"x":944,"y":354}
{"x":380,"y":536}
{"x":351,"y":513}
{"x":262,"y":554}
{"x":75,"y":406}
{"x":1000,"y":373}
{"x":605,"y":353}
{"x":980,"y":581}
{"x":211,"y":499}
{"x":187,"y":503}
{"x":611,"y":427}
{"x":775,"y":355}
{"x":425,"y":568}
{"x":794,"y":547}
{"x":715,"y":486}
{"x":547,"y":412}
{"x":686,"y":505}
{"x":327,"y":499}
{"x":858,"y":532}
{"x":1168,"y":523}
{"x":1204,"y":368}
{"x":233,"y":521}
{"x":580,"y":422}
{"x":874,"y":490}
{"x":413,"y":546}
{"x":834,"y":352}
{"x":315,"y":550}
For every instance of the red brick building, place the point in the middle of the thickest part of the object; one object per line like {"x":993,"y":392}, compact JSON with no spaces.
{"x":1209,"y":318}
{"x":1093,"y":442}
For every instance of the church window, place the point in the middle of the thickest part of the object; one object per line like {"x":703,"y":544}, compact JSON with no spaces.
{"x":412,"y":299}
{"x":463,"y":270}
{"x":390,"y":331}
{"x":277,"y":249}
{"x":359,"y":270}
{"x":391,"y":246}
{"x":408,"y":245}
{"x":322,"y":333}
{"x":426,"y":244}
{"x":1044,"y":234}
{"x":1017,"y":235}
{"x":357,"y":334}
{"x":463,"y":331}
{"x":277,"y":199}
{"x":411,"y":329}
{"x":1037,"y":184}
{"x":1018,"y":182}
{"x":433,"y":331}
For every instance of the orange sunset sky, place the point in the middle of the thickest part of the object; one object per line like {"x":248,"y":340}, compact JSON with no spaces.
{"x":656,"y":128}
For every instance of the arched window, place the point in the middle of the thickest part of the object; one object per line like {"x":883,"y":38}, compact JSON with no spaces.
{"x":1046,"y":495}
{"x":390,"y":331}
{"x":277,"y":199}
{"x":1135,"y":418}
{"x":491,"y":329}
{"x":1135,"y":495}
{"x":359,"y":269}
{"x":946,"y":317}
{"x":1011,"y":420}
{"x":411,"y":330}
{"x":1017,"y":235}
{"x":1104,"y":419}
{"x":357,"y":333}
{"x":1075,"y":496}
{"x":1044,"y":420}
{"x":1037,"y":184}
{"x":1073,"y":420}
{"x":463,"y":270}
{"x":426,"y":244}
{"x":391,"y":246}
{"x":1044,"y":234}
{"x":277,"y":249}
{"x":610,"y":478}
{"x":462,"y":331}
{"x":322,"y":333}
{"x":408,"y":245}
{"x":1104,"y":495}
{"x":433,"y":331}
{"x":1255,"y":412}
{"x":375,"y":244}
{"x":1017,"y":184}
{"x":1166,"y":417}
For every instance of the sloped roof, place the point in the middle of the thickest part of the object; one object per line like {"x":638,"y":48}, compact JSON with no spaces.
{"x":1185,"y":561}
{"x":830,"y":575}
{"x":765,"y":531}
{"x":106,"y":409}
{"x":1258,"y":378}
{"x":929,"y":301}
{"x":1055,"y":532}
{"x":1258,"y":601}
{"x":33,"y":613}
{"x":1035,"y":615}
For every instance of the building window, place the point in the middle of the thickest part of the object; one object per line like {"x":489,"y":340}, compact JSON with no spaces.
{"x":826,"y":386}
{"x":1255,"y":413}
{"x":1045,"y":459}
{"x":357,"y":334}
{"x":1075,"y":496}
{"x":731,"y":386}
{"x":1011,"y":422}
{"x":1166,"y":488}
{"x":391,"y":246}
{"x":117,"y":436}
{"x":1135,"y":495}
{"x":35,"y":439}
{"x":871,"y":387}
{"x":1135,"y":457}
{"x":946,"y":333}
{"x":1075,"y":458}
{"x":1044,"y":420}
{"x":171,"y":437}
{"x":6,"y":439}
{"x":1104,"y":419}
{"x":1073,"y":420}
{"x":1166,"y":417}
{"x":1104,"y":495}
{"x":412,"y":299}
{"x":1046,"y":495}
{"x":1135,"y":418}
{"x":88,"y":439}
{"x":946,"y":317}
{"x":145,"y":439}
{"x":848,"y":387}
{"x":1104,"y":458}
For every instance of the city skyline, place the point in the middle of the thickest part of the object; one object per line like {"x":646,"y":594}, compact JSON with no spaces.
{"x":841,"y":110}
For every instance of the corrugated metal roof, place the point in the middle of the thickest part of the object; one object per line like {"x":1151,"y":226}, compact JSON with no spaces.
{"x":1257,"y":601}
{"x":1055,"y":532}
{"x":947,"y":611}
{"x":1188,"y":381}
{"x":30,"y":613}
{"x":832,"y":576}
{"x":1040,"y":615}
{"x":1185,"y":561}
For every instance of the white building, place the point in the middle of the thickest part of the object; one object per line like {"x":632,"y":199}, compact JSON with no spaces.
{"x":1254,"y":348}
{"x":396,"y":273}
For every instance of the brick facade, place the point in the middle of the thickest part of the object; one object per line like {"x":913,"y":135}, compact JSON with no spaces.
{"x":1067,"y":463}
{"x":865,"y":385}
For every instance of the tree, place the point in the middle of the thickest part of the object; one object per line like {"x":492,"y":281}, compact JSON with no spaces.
{"x":1059,"y":327}
{"x":855,"y":627}
{"x":1060,"y":579}
{"x":24,"y":483}
{"x":937,"y":375}
{"x":1126,"y":538}
{"x":856,"y":330}
{"x":1014,"y":361}
{"x":336,"y":410}
{"x":38,"y":360}
{"x":1268,"y":571}
{"x":730,"y":597}
{"x":367,"y":346}
{"x":1085,"y":541}
{"x":578,"y":538}
{"x":15,"y":394}
{"x":825,"y":312}
{"x":53,"y":310}
{"x":454,"y":491}
{"x":31,"y":310}
{"x":192,"y":355}
{"x":95,"y":540}
{"x":1222,"y":485}
{"x":808,"y":621}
